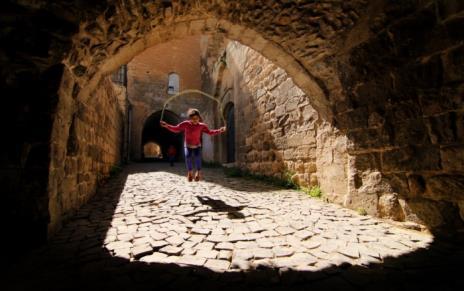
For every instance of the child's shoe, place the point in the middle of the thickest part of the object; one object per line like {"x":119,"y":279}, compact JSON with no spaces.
{"x":190,"y":176}
{"x":197,"y":176}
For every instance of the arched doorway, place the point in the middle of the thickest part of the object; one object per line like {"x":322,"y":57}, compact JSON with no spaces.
{"x":156,"y":140}
{"x":230,"y":133}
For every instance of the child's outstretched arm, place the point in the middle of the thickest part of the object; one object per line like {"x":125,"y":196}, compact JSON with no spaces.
{"x":174,"y":128}
{"x":213,"y":131}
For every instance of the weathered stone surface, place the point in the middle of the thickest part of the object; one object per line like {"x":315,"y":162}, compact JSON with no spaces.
{"x":262,"y":253}
{"x":389,"y":207}
{"x":444,"y":187}
{"x":171,"y":250}
{"x":154,"y":258}
{"x":192,"y":260}
{"x":350,"y":250}
{"x":345,"y":237}
{"x":143,"y":250}
{"x":208,"y":254}
{"x":363,"y":100}
{"x":217,"y":265}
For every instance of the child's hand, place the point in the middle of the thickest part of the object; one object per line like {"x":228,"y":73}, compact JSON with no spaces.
{"x":223,"y":129}
{"x":163,"y":123}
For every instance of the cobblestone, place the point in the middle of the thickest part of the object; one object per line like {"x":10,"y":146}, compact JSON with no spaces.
{"x":266,"y":222}
{"x":230,"y":227}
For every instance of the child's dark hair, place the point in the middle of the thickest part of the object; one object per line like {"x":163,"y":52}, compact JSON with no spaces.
{"x":194,"y":112}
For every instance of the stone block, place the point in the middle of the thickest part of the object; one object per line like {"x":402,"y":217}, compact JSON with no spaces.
{"x":437,"y":101}
{"x":410,"y":132}
{"x":428,"y":74}
{"x":313,"y":180}
{"x":402,"y":111}
{"x":433,"y":214}
{"x":453,"y":65}
{"x":310,"y":168}
{"x":270,"y":106}
{"x":411,"y":158}
{"x":366,"y":162}
{"x":353,"y":119}
{"x":452,"y":158}
{"x":70,"y":167}
{"x":309,"y":113}
{"x":289,"y":154}
{"x":308,"y":139}
{"x":389,"y":207}
{"x":444,"y":187}
{"x":375,"y":119}
{"x":295,"y":140}
{"x":291,"y":104}
{"x":368,"y":202}
{"x":443,"y":129}
{"x":368,"y":139}
{"x":416,"y":185}
{"x":374,"y":183}
{"x":305,"y":152}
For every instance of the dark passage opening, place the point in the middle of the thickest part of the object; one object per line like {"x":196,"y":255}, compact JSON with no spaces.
{"x":156,"y":140}
{"x":230,"y":142}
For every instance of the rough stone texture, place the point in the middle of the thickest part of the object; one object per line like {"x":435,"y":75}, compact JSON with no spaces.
{"x":147,"y":200}
{"x":401,"y":144}
{"x":387,"y":75}
{"x":250,"y":213}
{"x":277,"y":130}
{"x":87,"y":141}
{"x":401,"y":113}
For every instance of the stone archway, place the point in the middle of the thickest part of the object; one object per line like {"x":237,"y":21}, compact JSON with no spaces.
{"x":402,"y":120}
{"x":153,"y":132}
{"x":87,"y":64}
{"x":178,"y":29}
{"x":357,"y":161}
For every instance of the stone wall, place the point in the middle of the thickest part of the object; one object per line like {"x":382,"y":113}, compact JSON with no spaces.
{"x":394,"y":146}
{"x":402,"y":110}
{"x":278,"y":132}
{"x":86,"y":144}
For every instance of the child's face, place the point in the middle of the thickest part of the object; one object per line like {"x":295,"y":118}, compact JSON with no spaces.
{"x":195,"y":119}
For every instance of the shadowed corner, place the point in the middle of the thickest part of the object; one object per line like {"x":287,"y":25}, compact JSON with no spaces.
{"x":78,"y":259}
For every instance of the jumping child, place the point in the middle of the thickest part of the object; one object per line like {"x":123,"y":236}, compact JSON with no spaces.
{"x":193,"y":129}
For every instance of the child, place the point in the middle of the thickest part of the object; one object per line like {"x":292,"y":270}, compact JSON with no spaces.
{"x":171,"y":155}
{"x":193,"y":128}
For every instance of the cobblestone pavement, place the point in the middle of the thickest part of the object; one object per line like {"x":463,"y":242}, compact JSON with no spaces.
{"x":151,"y":228}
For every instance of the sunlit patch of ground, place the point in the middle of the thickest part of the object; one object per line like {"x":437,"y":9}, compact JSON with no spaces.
{"x":227,"y":224}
